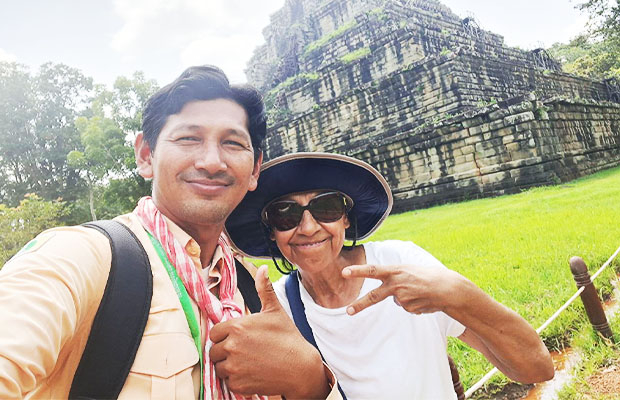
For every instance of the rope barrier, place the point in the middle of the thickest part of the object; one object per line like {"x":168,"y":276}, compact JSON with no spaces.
{"x":492,"y":372}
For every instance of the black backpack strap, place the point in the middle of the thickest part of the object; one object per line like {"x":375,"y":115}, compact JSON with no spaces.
{"x":299,"y":314}
{"x":297,"y":308}
{"x":120,"y":320}
{"x":245,"y":283}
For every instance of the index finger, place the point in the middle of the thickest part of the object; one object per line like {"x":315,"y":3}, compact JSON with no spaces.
{"x":219,"y":332}
{"x":367,"y":271}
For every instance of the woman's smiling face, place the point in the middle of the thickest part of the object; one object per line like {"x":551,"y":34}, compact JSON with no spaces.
{"x":311,"y":245}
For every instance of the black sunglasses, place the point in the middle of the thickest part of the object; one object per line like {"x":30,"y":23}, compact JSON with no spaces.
{"x":284,"y":215}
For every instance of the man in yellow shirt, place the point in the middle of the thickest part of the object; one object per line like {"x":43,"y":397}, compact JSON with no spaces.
{"x":201,"y":146}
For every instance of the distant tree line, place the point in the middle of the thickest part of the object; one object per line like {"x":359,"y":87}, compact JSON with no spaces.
{"x":596,"y":52}
{"x":66,"y":152}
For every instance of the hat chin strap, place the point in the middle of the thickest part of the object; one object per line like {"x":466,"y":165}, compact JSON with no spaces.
{"x":266,"y":232}
{"x":354,"y":224}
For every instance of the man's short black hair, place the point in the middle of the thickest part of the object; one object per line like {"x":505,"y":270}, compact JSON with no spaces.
{"x":205,"y":82}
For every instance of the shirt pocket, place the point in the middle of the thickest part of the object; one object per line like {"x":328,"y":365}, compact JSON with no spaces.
{"x":162,"y":368}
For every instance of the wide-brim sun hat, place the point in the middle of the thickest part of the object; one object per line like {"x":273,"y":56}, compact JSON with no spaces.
{"x":303,"y":172}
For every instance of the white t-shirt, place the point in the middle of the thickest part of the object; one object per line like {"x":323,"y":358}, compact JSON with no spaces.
{"x":384,"y":352}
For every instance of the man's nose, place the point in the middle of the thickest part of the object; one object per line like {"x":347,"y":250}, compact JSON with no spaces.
{"x":210,"y":159}
{"x":308,"y":225}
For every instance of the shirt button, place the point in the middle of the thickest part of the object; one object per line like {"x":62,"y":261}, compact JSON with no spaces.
{"x":193,"y":249}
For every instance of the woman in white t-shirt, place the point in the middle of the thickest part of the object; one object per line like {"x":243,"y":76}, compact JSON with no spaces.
{"x":305,"y":206}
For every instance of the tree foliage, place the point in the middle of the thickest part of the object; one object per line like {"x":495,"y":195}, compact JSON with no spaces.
{"x":63,"y":137}
{"x":124,"y":103}
{"x":107,"y":162}
{"x":595,"y":53}
{"x":593,"y":59}
{"x":37,"y":131}
{"x":604,"y":18}
{"x":105,"y":154}
{"x":20,"y":224}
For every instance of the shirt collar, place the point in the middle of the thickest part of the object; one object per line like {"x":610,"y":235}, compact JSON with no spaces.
{"x":210,"y":272}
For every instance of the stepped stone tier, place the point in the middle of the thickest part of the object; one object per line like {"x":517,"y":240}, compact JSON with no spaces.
{"x":440,"y":106}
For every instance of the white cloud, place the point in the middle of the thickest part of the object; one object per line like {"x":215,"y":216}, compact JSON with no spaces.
{"x":179,"y":33}
{"x":6,"y":56}
{"x":227,"y":52}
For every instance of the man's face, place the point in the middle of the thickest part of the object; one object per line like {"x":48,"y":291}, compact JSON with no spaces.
{"x":203,"y":163}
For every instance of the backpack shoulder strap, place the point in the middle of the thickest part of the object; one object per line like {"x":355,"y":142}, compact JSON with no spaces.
{"x":245,"y":283}
{"x":298,"y":310}
{"x":121,"y":317}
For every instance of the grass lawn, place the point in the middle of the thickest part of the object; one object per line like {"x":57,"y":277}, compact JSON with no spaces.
{"x":517,"y":248}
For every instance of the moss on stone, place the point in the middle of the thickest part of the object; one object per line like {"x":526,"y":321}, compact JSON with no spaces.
{"x":355,"y":55}
{"x":317,"y":44}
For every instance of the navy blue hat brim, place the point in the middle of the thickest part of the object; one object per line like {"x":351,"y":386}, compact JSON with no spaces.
{"x":302,"y":172}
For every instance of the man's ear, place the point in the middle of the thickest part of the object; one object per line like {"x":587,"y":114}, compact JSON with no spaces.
{"x":255,"y":172}
{"x":143,"y":154}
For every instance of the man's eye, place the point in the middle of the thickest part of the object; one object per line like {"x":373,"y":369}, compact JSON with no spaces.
{"x":188,"y":139}
{"x":234,"y":143}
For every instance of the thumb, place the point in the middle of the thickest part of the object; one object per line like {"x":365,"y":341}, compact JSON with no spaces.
{"x":265,"y":291}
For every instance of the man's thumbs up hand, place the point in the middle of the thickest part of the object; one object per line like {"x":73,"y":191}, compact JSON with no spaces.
{"x":267,"y":295}
{"x":265,"y":354}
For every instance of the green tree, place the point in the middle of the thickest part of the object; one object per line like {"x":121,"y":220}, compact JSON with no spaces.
{"x":125,"y":102}
{"x":20,"y":224}
{"x":105,"y":154}
{"x":106,"y":161}
{"x":595,"y":53}
{"x":594,"y":59}
{"x":604,"y":18}
{"x":37,"y":131}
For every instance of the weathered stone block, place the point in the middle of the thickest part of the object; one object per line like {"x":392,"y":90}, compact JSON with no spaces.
{"x":519,"y":118}
{"x":521,"y":107}
{"x":477,"y":130}
{"x":514,"y":146}
{"x":508,"y":139}
{"x":497,"y":124}
{"x":501,"y":113}
{"x":473,"y":140}
{"x":472,"y":122}
{"x":496,"y":177}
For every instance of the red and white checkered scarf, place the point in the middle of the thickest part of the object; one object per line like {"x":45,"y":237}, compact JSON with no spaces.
{"x":216,"y":310}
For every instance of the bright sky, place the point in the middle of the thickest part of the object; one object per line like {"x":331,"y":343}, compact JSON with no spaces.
{"x":110,"y":38}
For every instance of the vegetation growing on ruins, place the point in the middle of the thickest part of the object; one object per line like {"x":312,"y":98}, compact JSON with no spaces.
{"x":277,"y":111}
{"x":317,"y":44}
{"x":355,"y":55}
{"x":445,"y":51}
{"x":485,"y":103}
{"x":302,"y":77}
{"x":378,"y":13}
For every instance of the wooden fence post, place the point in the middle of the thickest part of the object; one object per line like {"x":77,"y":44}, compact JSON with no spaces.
{"x":589,"y":297}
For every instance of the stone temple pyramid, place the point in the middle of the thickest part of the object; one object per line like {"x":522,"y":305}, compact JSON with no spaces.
{"x":444,"y":109}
